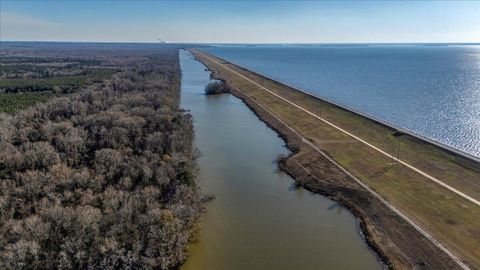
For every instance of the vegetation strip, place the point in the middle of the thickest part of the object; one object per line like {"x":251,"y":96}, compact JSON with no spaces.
{"x":10,"y":103}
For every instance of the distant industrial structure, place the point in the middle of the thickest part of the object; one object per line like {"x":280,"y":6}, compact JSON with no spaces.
{"x":161,"y":40}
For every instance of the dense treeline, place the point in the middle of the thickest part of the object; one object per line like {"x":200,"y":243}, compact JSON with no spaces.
{"x":63,"y":85}
{"x":17,"y":70}
{"x":10,"y":103}
{"x":103,"y":178}
{"x":29,"y":74}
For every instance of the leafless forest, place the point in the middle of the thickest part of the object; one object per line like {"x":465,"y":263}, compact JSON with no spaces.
{"x":103,"y":177}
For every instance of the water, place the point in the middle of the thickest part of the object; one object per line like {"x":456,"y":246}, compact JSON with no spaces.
{"x":258,"y":220}
{"x":433,"y":91}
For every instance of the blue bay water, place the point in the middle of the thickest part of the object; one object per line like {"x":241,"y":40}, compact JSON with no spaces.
{"x":433,"y":91}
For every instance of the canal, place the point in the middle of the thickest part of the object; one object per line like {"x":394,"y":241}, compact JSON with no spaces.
{"x":258,"y":220}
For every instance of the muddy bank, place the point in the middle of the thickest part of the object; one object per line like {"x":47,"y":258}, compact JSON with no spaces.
{"x":394,"y":240}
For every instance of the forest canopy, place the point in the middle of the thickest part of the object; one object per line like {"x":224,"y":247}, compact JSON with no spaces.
{"x":102,"y":178}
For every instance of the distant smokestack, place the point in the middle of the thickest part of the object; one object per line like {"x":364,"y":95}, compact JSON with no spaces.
{"x":161,"y":40}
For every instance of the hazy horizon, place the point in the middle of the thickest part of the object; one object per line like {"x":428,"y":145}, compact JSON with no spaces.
{"x":245,"y":43}
{"x":242,"y":22}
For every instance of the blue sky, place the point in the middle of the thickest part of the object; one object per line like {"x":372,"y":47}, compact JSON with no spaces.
{"x":242,"y":21}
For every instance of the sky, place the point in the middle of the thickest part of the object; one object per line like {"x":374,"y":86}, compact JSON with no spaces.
{"x":241,"y":21}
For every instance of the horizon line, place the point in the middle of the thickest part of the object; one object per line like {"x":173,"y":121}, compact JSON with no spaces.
{"x":249,"y":43}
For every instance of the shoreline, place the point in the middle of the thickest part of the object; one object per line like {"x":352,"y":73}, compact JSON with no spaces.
{"x":402,"y":131}
{"x":377,"y":238}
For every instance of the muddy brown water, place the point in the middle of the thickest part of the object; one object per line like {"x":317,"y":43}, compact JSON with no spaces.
{"x":258,"y":219}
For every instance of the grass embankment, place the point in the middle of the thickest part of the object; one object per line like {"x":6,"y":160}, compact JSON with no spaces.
{"x":448,"y":217}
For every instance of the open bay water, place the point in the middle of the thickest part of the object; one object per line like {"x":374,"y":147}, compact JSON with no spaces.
{"x":433,"y":91}
{"x":258,"y":220}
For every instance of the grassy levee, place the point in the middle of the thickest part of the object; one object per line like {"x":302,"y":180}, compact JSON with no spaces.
{"x":451,"y":219}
